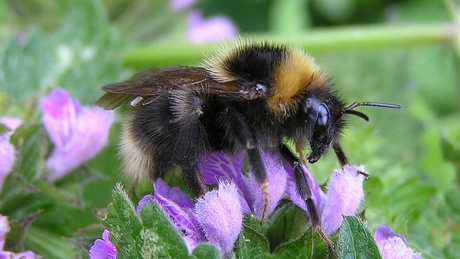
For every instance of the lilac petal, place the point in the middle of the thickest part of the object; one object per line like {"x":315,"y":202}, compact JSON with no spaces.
{"x":218,"y":166}
{"x":344,"y":195}
{"x":78,"y":133}
{"x":11,"y":123}
{"x":393,"y":245}
{"x":277,"y":181}
{"x":220,"y":215}
{"x":177,"y":208}
{"x":7,"y":157}
{"x":59,"y":115}
{"x":4,"y":229}
{"x":103,"y":248}
{"x":174,"y":194}
{"x":178,"y":5}
{"x":215,"y":28}
{"x":317,"y":195}
{"x":384,"y":232}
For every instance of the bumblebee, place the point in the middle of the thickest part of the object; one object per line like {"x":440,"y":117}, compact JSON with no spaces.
{"x":246,"y":99}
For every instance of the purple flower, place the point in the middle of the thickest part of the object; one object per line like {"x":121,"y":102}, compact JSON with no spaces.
{"x":220,"y":215}
{"x":103,"y":248}
{"x":4,"y":229}
{"x":7,"y":151}
{"x":178,"y":5}
{"x":317,"y":194}
{"x":277,"y":182}
{"x":393,"y":246}
{"x":344,"y":195}
{"x":215,"y":28}
{"x":78,"y":133}
{"x":216,"y":218}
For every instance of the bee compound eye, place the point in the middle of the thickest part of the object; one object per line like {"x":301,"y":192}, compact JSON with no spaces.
{"x":323,"y":115}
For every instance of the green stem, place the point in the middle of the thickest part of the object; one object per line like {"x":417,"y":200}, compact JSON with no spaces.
{"x":321,"y":40}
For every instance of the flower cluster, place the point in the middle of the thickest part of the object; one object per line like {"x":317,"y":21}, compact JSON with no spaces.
{"x":4,"y":229}
{"x":217,"y":217}
{"x":77,"y":132}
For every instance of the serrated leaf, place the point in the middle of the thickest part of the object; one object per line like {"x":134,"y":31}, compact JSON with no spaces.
{"x":355,"y":240}
{"x":205,"y":251}
{"x":123,"y":224}
{"x":159,"y":238}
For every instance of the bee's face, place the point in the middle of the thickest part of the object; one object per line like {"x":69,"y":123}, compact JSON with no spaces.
{"x":324,"y":121}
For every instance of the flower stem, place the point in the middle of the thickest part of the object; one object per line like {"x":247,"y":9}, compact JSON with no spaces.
{"x":321,"y":40}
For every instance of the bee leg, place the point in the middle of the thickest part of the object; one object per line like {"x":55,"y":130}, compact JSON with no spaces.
{"x":304,"y":191}
{"x":340,"y":154}
{"x":258,"y":168}
{"x":194,"y":180}
{"x":245,"y":136}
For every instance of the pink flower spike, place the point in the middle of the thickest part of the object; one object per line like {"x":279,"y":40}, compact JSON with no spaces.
{"x":344,"y":195}
{"x":393,"y":246}
{"x":103,"y":248}
{"x":220,"y":215}
{"x":215,"y":28}
{"x":78,"y":133}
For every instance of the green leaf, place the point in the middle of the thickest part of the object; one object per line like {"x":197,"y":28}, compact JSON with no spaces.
{"x":123,"y":224}
{"x":205,"y":251}
{"x":309,"y":245}
{"x":252,"y":244}
{"x":286,"y":224}
{"x":355,"y":240}
{"x":154,"y":237}
{"x":159,"y":238}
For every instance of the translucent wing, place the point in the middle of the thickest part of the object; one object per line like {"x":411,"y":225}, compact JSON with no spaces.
{"x":151,"y":82}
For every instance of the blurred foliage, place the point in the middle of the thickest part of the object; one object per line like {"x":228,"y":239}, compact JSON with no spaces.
{"x":412,"y":154}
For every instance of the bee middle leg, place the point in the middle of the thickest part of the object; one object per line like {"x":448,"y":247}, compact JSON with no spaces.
{"x":246,"y":137}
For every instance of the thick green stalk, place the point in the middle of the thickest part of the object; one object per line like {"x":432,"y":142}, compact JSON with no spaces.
{"x":321,"y":40}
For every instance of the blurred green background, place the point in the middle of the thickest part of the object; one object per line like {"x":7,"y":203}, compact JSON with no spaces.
{"x":400,"y":51}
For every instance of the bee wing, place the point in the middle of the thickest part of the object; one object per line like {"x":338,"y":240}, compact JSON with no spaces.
{"x":151,"y":82}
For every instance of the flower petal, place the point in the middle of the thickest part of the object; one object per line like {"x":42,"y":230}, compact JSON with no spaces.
{"x":344,"y":195}
{"x":277,"y":181}
{"x":178,"y":5}
{"x":59,"y":115}
{"x":214,"y":29}
{"x":7,"y":154}
{"x":220,"y":215}
{"x":78,"y":133}
{"x":179,"y":209}
{"x":4,"y":229}
{"x":393,"y":246}
{"x":317,"y":194}
{"x":103,"y":248}
{"x":218,"y":166}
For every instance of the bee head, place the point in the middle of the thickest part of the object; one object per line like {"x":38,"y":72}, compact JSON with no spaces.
{"x":325,"y":117}
{"x":324,"y":121}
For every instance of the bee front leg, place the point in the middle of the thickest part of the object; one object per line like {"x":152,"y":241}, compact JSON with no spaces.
{"x":303,"y":188}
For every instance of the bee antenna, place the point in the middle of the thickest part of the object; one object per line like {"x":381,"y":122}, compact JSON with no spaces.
{"x":349,"y":109}
{"x":357,"y":113}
